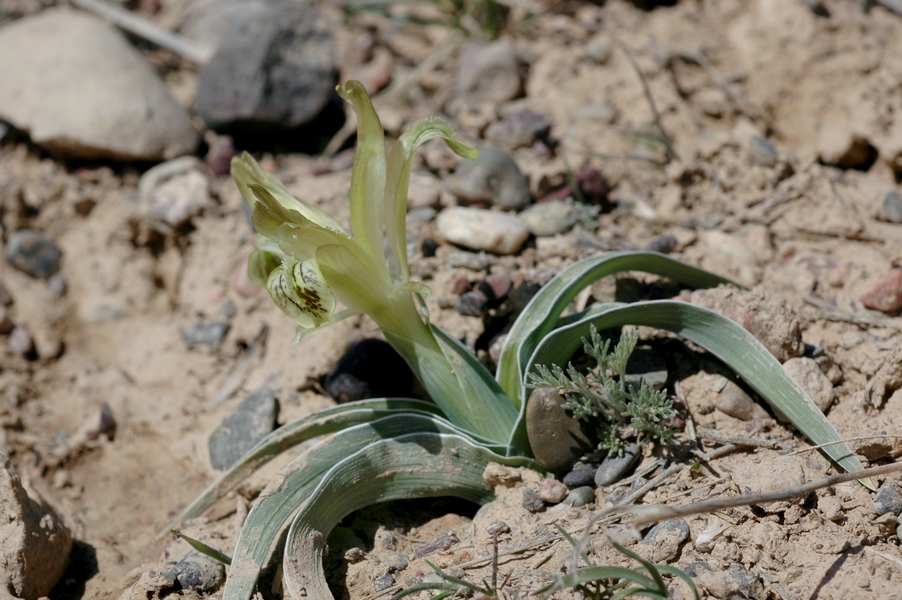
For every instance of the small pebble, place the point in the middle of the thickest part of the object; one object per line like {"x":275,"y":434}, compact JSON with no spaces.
{"x":493,"y":179}
{"x":892,"y":206}
{"x":57,"y":285}
{"x":460,"y":259}
{"x":637,"y":483}
{"x":206,"y":334}
{"x":480,"y":229}
{"x":495,"y":286}
{"x":886,"y":296}
{"x":888,"y":499}
{"x":20,"y":341}
{"x":370,"y":368}
{"x":531,"y":501}
{"x":471,"y":304}
{"x":519,"y":130}
{"x":734,"y":401}
{"x":175,"y":191}
{"x":552,"y":491}
{"x":664,"y":540}
{"x":581,"y":475}
{"x":428,"y":247}
{"x":199,"y":573}
{"x":34,"y":253}
{"x":498,"y":527}
{"x":664,"y":244}
{"x":580,"y":496}
{"x":220,"y":153}
{"x":384,"y":582}
{"x":808,"y":374}
{"x":488,"y":72}
{"x":550,"y":218}
{"x":396,"y":562}
{"x":250,"y":421}
{"x":557,"y":439}
{"x":612,"y":468}
{"x":762,"y":152}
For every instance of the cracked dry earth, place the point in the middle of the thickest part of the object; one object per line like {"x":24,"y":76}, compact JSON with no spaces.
{"x":808,"y":218}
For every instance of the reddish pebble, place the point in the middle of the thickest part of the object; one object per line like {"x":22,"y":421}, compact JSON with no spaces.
{"x":461,"y":286}
{"x":219,"y":156}
{"x":886,"y":296}
{"x":552,"y":491}
{"x":496,"y":286}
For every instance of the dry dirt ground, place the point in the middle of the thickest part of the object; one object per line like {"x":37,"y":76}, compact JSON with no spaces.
{"x":811,"y":232}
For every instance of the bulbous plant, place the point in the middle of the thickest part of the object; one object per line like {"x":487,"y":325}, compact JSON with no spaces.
{"x":384,"y":449}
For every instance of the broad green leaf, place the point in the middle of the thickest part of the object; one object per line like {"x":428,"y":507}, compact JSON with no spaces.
{"x":725,"y":339}
{"x":368,"y":174}
{"x":297,"y":481}
{"x":542,"y":313}
{"x":465,"y":391}
{"x":322,"y":423}
{"x":400,"y":162}
{"x":417,"y":465}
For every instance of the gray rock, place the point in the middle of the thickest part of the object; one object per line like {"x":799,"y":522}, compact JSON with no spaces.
{"x":175,"y":191}
{"x":550,"y":218}
{"x":199,"y":573}
{"x":892,"y":206}
{"x":34,"y":542}
{"x":557,"y":439}
{"x":82,"y":91}
{"x":531,"y":501}
{"x":808,"y":374}
{"x":888,"y":499}
{"x":649,"y":366}
{"x":519,"y":130}
{"x":488,"y":72}
{"x":735,"y":581}
{"x":580,"y":476}
{"x":580,"y":496}
{"x":250,"y":422}
{"x":637,"y":484}
{"x":664,"y":540}
{"x":471,"y":304}
{"x":613,"y":467}
{"x":33,"y":252}
{"x":494,"y":179}
{"x":384,"y":582}
{"x":206,"y":334}
{"x":480,"y":229}
{"x":277,"y":71}
{"x":762,"y":152}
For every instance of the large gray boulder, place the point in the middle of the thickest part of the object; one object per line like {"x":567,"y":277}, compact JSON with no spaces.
{"x":82,"y":91}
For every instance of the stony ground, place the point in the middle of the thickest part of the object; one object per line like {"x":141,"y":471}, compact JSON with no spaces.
{"x":119,"y":363}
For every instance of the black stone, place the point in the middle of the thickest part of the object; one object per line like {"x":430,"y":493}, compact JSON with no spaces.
{"x":34,"y":253}
{"x":371,"y":368}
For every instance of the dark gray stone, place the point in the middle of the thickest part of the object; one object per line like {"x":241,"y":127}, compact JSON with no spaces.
{"x":199,"y":573}
{"x":249,"y":423}
{"x":277,"y":71}
{"x":888,"y":499}
{"x":384,"y":582}
{"x":664,"y":540}
{"x":206,"y":334}
{"x":531,"y":501}
{"x":580,"y":496}
{"x":519,"y":130}
{"x":471,"y":304}
{"x":580,"y":475}
{"x":649,"y":366}
{"x":557,"y":439}
{"x":494,"y":179}
{"x":612,"y":468}
{"x":33,"y":252}
{"x":370,"y":368}
{"x":892,"y":206}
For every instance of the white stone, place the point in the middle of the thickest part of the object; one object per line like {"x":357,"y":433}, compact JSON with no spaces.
{"x":480,"y":229}
{"x":80,"y":90}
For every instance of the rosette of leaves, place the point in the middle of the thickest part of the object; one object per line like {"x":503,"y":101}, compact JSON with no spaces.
{"x":393,"y":448}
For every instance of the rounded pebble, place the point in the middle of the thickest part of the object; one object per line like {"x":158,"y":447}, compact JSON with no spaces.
{"x":886,"y":296}
{"x":550,"y":218}
{"x":580,"y":476}
{"x":480,"y":229}
{"x":199,"y":573}
{"x":612,"y":468}
{"x":888,"y":499}
{"x":664,"y":540}
{"x":552,"y":491}
{"x":557,"y":439}
{"x":580,"y":496}
{"x":531,"y":501}
{"x":34,"y":253}
{"x":494,"y":179}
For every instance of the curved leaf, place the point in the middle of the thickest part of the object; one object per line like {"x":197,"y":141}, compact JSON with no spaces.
{"x":418,"y":465}
{"x":541,"y":314}
{"x":725,"y":339}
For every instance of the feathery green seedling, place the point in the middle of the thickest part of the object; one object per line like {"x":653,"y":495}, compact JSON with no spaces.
{"x":393,"y":448}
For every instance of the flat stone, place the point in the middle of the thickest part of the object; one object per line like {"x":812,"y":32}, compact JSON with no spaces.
{"x":206,"y":334}
{"x":252,"y":420}
{"x":557,"y":439}
{"x":34,"y":541}
{"x":808,"y":374}
{"x":82,"y":91}
{"x":614,"y":467}
{"x":886,"y":296}
{"x":663,"y":541}
{"x":277,"y":71}
{"x":550,"y":218}
{"x":493,"y":179}
{"x":888,"y":499}
{"x":370,"y":368}
{"x":580,"y":496}
{"x":480,"y":229}
{"x":34,"y":253}
{"x":488,"y":72}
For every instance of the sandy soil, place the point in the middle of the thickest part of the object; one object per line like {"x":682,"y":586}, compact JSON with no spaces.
{"x":810,"y":232}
